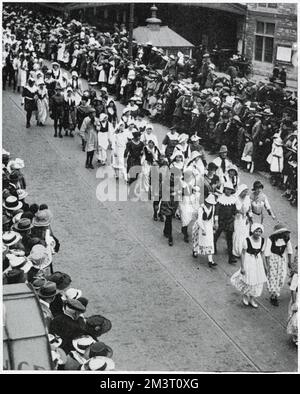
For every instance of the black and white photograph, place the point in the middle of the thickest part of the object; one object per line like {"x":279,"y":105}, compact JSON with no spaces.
{"x":149,"y":189}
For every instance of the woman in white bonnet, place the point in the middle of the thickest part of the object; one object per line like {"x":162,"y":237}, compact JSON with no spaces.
{"x":250,"y":279}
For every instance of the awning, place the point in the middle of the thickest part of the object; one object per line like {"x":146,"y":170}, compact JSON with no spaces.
{"x":233,"y":8}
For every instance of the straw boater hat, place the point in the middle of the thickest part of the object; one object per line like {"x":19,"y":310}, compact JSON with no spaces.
{"x":20,"y":262}
{"x":83,"y":343}
{"x":12,"y":204}
{"x":10,"y":238}
{"x":99,"y":363}
{"x":72,"y":294}
{"x":280,"y":228}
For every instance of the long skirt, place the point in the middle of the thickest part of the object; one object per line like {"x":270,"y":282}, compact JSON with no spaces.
{"x":252,"y":283}
{"x":145,"y":177}
{"x":42,"y":110}
{"x":241,"y":232}
{"x":277,"y":274}
{"x":187,"y":210}
{"x":22,"y":78}
{"x":203,"y":244}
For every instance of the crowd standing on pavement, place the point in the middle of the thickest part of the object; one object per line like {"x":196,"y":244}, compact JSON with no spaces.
{"x":249,"y":125}
{"x":29,"y":249}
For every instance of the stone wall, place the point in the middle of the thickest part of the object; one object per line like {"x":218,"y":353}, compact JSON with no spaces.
{"x":285,"y":19}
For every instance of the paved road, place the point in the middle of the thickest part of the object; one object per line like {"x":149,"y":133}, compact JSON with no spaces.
{"x":169,"y":311}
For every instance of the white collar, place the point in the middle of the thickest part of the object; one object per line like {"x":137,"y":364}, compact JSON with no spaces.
{"x":225,"y":200}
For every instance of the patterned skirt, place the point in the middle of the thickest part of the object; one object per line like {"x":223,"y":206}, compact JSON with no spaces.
{"x":277,"y":274}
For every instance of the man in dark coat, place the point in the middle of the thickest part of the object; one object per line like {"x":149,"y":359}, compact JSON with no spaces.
{"x":69,"y":325}
{"x":225,"y":213}
{"x":57,"y":110}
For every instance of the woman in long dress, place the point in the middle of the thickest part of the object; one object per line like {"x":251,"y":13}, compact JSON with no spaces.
{"x":242,"y":219}
{"x":61,"y":51}
{"x":42,"y":104}
{"x":133,"y":153}
{"x":203,"y":230}
{"x":260,"y":202}
{"x":189,"y":204}
{"x":278,"y":254}
{"x":276,"y":160}
{"x":102,"y":79}
{"x":120,"y":137}
{"x":250,"y":279}
{"x":69,"y":121}
{"x":22,"y":72}
{"x":77,"y":87}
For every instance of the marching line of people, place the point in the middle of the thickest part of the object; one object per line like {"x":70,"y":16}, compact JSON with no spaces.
{"x":256,"y":121}
{"x":240,"y":121}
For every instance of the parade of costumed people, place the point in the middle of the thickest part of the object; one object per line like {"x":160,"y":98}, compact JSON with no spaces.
{"x":205,"y":177}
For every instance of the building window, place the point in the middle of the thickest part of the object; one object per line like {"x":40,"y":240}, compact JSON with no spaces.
{"x":267,"y":5}
{"x":264,"y":42}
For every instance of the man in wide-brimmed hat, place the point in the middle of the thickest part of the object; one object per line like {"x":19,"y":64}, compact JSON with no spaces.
{"x":62,"y":281}
{"x":57,"y":109}
{"x":10,"y":205}
{"x":231,"y":135}
{"x":47,"y":295}
{"x":222,"y":163}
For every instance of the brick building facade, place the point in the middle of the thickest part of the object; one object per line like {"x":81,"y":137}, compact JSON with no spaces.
{"x":271,"y":37}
